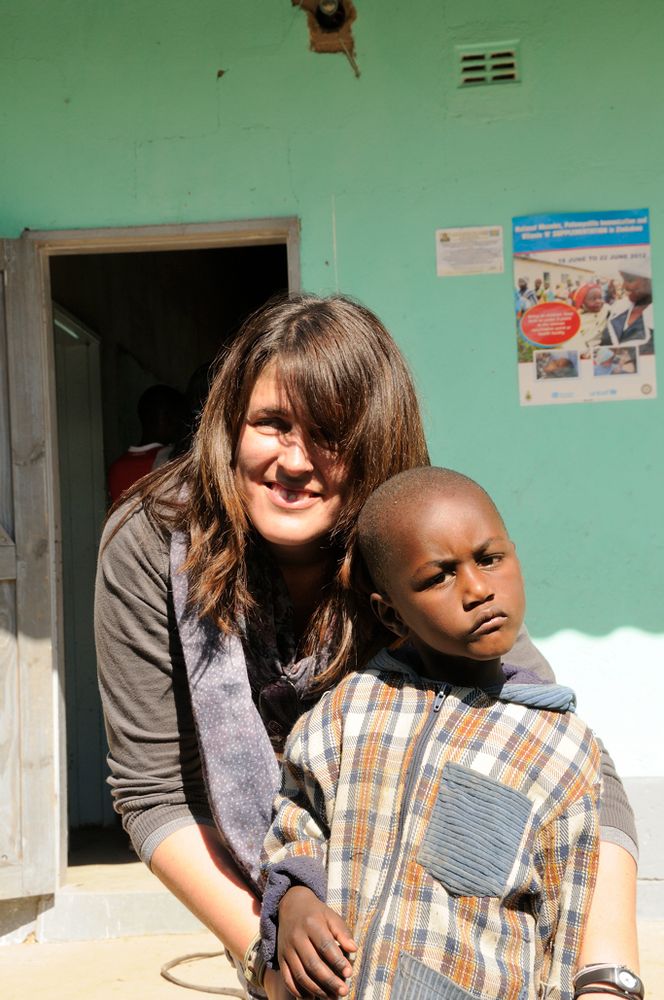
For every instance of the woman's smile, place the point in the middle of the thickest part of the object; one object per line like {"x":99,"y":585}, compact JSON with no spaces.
{"x":288,"y":497}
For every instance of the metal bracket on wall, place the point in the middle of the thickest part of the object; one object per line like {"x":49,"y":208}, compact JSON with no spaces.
{"x":330,"y":27}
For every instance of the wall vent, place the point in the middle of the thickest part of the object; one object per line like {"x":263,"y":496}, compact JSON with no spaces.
{"x":495,"y":62}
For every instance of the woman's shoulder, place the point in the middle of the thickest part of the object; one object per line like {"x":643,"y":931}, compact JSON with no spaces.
{"x":131,"y":521}
{"x":133,"y":536}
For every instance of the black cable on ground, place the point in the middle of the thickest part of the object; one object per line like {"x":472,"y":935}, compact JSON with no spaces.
{"x":224,"y":991}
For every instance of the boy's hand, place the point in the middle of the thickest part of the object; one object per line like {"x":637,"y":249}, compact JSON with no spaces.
{"x":309,"y":946}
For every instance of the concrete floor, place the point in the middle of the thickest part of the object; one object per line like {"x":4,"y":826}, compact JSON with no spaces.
{"x":129,"y":967}
{"x":124,"y":968}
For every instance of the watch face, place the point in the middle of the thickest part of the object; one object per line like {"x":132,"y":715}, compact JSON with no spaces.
{"x":627,"y":979}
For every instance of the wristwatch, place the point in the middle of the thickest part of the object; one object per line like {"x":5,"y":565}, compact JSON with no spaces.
{"x":615,"y":975}
{"x":253,"y":964}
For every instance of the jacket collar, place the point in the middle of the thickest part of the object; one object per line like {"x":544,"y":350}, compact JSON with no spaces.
{"x":521,"y":687}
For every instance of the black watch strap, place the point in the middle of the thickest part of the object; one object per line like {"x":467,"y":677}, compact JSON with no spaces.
{"x":615,"y":975}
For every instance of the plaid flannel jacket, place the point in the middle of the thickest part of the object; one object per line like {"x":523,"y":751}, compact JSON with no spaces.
{"x":454,"y":829}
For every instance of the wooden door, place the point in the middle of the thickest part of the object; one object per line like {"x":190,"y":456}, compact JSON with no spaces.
{"x":30,"y":826}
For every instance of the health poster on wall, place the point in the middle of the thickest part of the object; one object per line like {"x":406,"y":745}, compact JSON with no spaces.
{"x":583,"y":304}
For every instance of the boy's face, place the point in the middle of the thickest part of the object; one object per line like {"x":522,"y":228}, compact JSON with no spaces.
{"x":455,"y":580}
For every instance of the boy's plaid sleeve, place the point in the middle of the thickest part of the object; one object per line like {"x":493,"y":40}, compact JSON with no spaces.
{"x":568,"y":853}
{"x":295,"y":849}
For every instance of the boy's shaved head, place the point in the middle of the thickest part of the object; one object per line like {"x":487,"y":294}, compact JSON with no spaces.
{"x":389,"y":509}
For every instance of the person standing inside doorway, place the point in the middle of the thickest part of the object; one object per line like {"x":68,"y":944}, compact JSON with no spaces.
{"x":161,"y":411}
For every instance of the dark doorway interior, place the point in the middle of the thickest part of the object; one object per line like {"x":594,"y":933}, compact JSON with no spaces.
{"x":161,"y":315}
{"x":143,"y":318}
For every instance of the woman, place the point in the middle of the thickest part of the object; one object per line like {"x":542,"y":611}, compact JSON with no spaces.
{"x":228,"y":599}
{"x":593,"y":313}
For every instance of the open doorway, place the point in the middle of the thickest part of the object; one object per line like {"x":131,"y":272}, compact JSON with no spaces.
{"x":125,"y":321}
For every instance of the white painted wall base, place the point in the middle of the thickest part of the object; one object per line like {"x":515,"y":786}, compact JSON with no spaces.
{"x":619,"y":683}
{"x":75,"y":915}
{"x":647,"y":798}
{"x":94,"y":916}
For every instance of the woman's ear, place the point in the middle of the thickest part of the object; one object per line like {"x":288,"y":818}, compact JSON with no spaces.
{"x":387,"y":615}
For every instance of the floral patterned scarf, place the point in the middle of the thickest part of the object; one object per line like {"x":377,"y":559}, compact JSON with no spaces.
{"x":247,"y":691}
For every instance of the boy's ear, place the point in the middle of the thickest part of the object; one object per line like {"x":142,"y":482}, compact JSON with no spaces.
{"x":387,"y":615}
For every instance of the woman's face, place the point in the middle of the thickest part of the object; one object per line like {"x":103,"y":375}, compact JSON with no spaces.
{"x":637,"y":289}
{"x":293,"y":488}
{"x":593,"y":301}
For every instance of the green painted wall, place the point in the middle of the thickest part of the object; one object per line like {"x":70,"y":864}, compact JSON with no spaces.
{"x":113,"y":114}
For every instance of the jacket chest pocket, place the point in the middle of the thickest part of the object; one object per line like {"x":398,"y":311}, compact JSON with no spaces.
{"x":475,"y":833}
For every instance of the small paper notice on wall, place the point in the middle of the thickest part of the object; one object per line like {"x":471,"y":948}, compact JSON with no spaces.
{"x":469,"y":250}
{"x":583,"y":302}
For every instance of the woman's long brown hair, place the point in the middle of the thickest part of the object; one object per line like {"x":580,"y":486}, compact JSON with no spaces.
{"x":349,"y":385}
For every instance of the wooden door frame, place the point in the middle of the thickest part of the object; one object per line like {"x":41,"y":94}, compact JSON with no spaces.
{"x":32,"y":311}
{"x":186,"y":236}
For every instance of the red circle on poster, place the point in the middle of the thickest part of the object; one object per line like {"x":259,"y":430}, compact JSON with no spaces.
{"x":550,"y":323}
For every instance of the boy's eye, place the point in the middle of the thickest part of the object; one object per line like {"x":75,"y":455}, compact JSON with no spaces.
{"x":490,"y":559}
{"x":442,"y":576}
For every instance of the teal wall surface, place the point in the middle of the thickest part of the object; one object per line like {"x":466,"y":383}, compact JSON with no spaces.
{"x":113,"y":114}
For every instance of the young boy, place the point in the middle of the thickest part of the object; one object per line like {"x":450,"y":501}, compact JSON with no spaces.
{"x":440,"y":802}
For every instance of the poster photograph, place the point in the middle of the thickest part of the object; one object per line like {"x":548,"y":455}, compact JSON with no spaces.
{"x":583,"y":305}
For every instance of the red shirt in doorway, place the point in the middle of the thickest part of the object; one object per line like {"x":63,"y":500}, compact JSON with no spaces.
{"x":134,"y":464}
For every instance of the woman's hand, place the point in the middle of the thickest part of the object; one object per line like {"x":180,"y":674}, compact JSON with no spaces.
{"x":309,"y":946}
